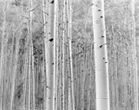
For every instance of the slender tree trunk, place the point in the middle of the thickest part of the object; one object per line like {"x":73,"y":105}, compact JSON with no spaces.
{"x":134,"y":55}
{"x":46,"y":33}
{"x":29,"y":54}
{"x":50,"y":56}
{"x":63,"y":62}
{"x":57,"y":67}
{"x":67,"y":66}
{"x":2,"y":54}
{"x":70,"y":52}
{"x":25,"y":71}
{"x":29,"y":62}
{"x":45,"y":29}
{"x":60,"y":34}
{"x":14,"y":72}
{"x":32,"y":73}
{"x":54,"y":56}
{"x":100,"y":54}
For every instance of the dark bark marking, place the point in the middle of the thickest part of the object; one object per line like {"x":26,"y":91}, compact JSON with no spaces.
{"x":100,"y":46}
{"x":52,"y":1}
{"x":51,"y":39}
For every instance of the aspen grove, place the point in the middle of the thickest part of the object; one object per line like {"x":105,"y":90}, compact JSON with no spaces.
{"x":69,"y":55}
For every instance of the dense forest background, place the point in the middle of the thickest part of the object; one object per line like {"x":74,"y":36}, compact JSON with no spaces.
{"x":19,"y":91}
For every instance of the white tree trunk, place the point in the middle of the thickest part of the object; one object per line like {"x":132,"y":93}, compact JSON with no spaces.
{"x":70,"y":52}
{"x":49,"y":100}
{"x":54,"y":56}
{"x":63,"y":62}
{"x":134,"y":54}
{"x":100,"y":54}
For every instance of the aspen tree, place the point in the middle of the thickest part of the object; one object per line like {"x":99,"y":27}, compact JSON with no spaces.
{"x":57,"y":69}
{"x":60,"y":26}
{"x":70,"y":52}
{"x":2,"y":54}
{"x":45,"y":26}
{"x":25,"y":71}
{"x":14,"y":72}
{"x":58,"y":57}
{"x":134,"y":54}
{"x":29,"y":71}
{"x":10,"y":66}
{"x":60,"y":33}
{"x":32,"y":74}
{"x":67,"y":71}
{"x":29,"y":54}
{"x":12,"y":63}
{"x":54,"y":55}
{"x":100,"y":56}
{"x":67,"y":60}
{"x":26,"y":85}
{"x":63,"y":62}
{"x":46,"y":15}
{"x":50,"y":56}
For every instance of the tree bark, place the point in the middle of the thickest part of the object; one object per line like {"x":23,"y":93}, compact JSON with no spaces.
{"x":134,"y":55}
{"x":55,"y":56}
{"x":100,"y":56}
{"x":70,"y":52}
{"x":50,"y":56}
{"x":2,"y":54}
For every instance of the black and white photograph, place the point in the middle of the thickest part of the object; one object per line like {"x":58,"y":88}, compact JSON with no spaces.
{"x":69,"y":54}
